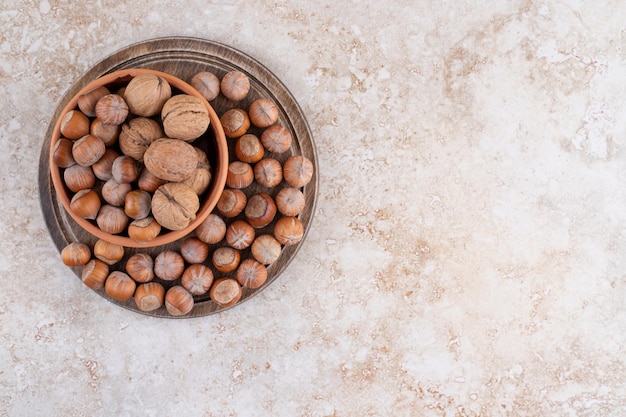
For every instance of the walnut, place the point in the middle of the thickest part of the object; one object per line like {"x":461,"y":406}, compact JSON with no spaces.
{"x":200,"y":177}
{"x":170,"y":159}
{"x":185,"y":117}
{"x":137,"y":135}
{"x":146,"y":94}
{"x":174,"y":205}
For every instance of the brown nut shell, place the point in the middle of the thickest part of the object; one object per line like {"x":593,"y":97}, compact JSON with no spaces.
{"x":137,"y":204}
{"x":178,"y":301}
{"x":240,"y":175}
{"x":114,"y":193}
{"x":146,"y":94}
{"x":87,"y":150}
{"x":79,"y":177}
{"x":263,"y":113}
{"x":225,"y":292}
{"x":288,"y":230}
{"x":87,"y":102}
{"x":235,"y":85}
{"x":62,"y":153}
{"x":194,"y":251}
{"x":298,"y":171}
{"x":140,"y":267}
{"x":212,"y":229}
{"x":207,"y":84}
{"x":169,"y":265}
{"x":249,"y":148}
{"x":149,"y":296}
{"x":290,"y":201}
{"x":231,"y":203}
{"x":107,"y":252}
{"x":144,"y":230}
{"x":260,"y":210}
{"x":124,"y":169}
{"x":266,"y":249}
{"x":109,"y":134}
{"x":137,"y":135}
{"x":170,"y":159}
{"x":251,"y":273}
{"x":225,"y":259}
{"x":185,"y":117}
{"x":120,"y":286}
{"x":276,"y":138}
{"x":112,"y":109}
{"x":74,"y":125}
{"x":235,"y":122}
{"x":86,"y":204}
{"x":197,"y":279}
{"x":239,"y":235}
{"x":112,"y":219}
{"x":268,"y":172}
{"x":103,"y":167}
{"x":94,"y":274}
{"x":174,"y":205}
{"x":75,"y":254}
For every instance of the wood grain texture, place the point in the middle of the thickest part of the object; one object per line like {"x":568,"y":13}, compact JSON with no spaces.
{"x":184,"y":57}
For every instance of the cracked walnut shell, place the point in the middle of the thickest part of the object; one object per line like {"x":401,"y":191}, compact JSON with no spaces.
{"x":174,"y":205}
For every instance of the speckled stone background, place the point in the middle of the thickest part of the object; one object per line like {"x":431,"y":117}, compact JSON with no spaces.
{"x":467,"y":256}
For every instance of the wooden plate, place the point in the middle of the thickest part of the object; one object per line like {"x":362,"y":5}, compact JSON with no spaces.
{"x":184,"y":57}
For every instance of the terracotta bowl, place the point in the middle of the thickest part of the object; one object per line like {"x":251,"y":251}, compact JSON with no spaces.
{"x":213,"y":142}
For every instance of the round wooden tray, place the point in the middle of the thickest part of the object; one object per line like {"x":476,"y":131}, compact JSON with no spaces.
{"x":184,"y":57}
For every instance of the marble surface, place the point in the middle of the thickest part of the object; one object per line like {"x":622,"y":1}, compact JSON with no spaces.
{"x":467,"y":256}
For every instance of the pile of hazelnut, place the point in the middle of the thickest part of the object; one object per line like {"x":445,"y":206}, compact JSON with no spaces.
{"x":256,"y":216}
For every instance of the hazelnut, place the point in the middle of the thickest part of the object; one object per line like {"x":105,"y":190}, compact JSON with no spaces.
{"x":178,"y":301}
{"x":231,"y":202}
{"x":85,"y":203}
{"x":107,"y":252}
{"x":185,"y":117}
{"x":235,"y":122}
{"x":235,"y":85}
{"x":87,"y":101}
{"x":112,"y":109}
{"x":144,"y":230}
{"x":225,"y":292}
{"x":212,"y":229}
{"x":288,"y":230}
{"x":174,"y":205}
{"x":146,"y":94}
{"x":297,"y":171}
{"x":137,"y":204}
{"x":225,"y":259}
{"x":137,"y":135}
{"x":149,"y":296}
{"x":108,"y":134}
{"x":94,"y":274}
{"x":240,"y":175}
{"x":103,"y":167}
{"x":207,"y":84}
{"x":140,"y":267}
{"x":263,"y":113}
{"x":75,"y":254}
{"x":266,"y":249}
{"x":249,"y":148}
{"x":78,"y":177}
{"x":260,"y":210}
{"x":268,"y":172}
{"x":197,"y":279}
{"x":114,"y":192}
{"x":111,"y":219}
{"x":62,"y":153}
{"x":251,"y":274}
{"x":276,"y":138}
{"x":124,"y":169}
{"x":170,"y":159}
{"x":87,"y":150}
{"x":149,"y":182}
{"x":74,"y":125}
{"x":119,"y":286}
{"x":169,"y":265}
{"x":239,"y":235}
{"x":290,"y":201}
{"x":193,"y":250}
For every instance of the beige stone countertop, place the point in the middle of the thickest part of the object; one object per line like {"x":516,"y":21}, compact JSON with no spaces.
{"x":467,"y":255}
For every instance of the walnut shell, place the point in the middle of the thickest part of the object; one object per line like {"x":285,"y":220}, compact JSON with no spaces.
{"x":146,"y":94}
{"x":137,"y":135}
{"x":170,"y":159}
{"x":185,"y":117}
{"x":174,"y":205}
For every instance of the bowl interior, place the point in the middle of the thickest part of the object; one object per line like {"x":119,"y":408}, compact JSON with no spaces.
{"x":212,"y":142}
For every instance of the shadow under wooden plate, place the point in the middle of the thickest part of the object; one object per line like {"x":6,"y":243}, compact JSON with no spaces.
{"x":183,"y":57}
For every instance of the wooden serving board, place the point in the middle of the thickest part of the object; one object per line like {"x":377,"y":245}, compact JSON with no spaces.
{"x":184,"y":57}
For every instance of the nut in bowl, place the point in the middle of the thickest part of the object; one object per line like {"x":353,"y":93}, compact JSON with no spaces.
{"x":127,"y":126}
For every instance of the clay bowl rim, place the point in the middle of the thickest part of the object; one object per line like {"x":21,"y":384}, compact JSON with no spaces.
{"x":219,"y":173}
